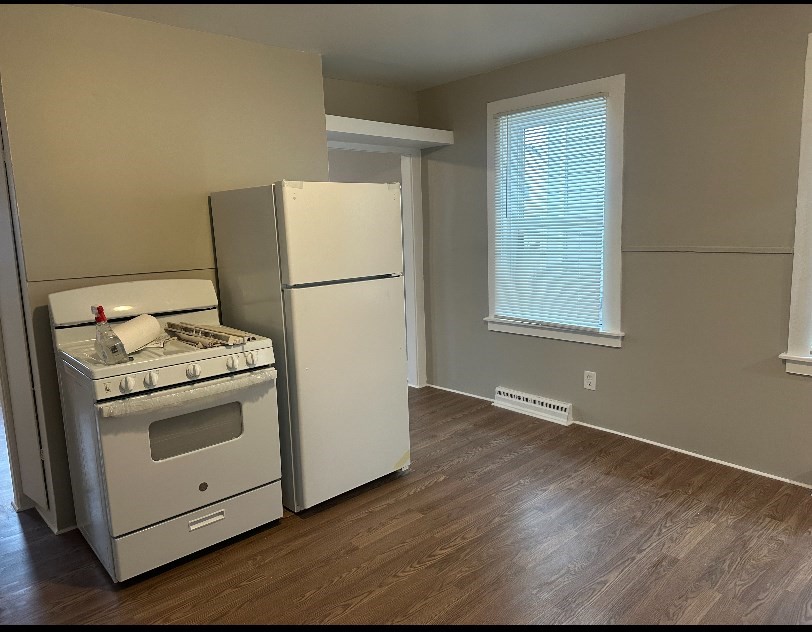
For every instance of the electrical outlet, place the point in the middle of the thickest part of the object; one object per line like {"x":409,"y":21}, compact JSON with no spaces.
{"x":590,"y":380}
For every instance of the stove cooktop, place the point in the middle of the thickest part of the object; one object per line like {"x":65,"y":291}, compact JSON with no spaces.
{"x":83,"y":357}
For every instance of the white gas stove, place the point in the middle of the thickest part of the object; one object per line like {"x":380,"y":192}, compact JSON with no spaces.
{"x":177,"y":448}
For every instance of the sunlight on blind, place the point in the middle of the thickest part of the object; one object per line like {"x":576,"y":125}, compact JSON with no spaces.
{"x":549,"y":226}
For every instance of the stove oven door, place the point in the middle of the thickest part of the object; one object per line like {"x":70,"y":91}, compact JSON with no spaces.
{"x":172,"y":451}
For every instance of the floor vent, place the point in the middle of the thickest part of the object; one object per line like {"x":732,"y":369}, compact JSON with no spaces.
{"x":533,"y":405}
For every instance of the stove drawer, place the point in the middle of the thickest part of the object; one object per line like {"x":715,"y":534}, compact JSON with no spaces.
{"x":167,"y":453}
{"x":162,"y":543}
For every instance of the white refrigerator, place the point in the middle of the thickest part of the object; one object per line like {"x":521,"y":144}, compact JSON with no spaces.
{"x":318,"y":267}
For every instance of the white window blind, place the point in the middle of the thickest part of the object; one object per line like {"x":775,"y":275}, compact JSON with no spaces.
{"x":550,"y":198}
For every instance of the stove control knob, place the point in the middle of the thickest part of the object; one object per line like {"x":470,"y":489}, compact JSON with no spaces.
{"x":127,"y":384}
{"x":193,"y":371}
{"x":151,"y":379}
{"x":250,"y":358}
{"x":233,"y":362}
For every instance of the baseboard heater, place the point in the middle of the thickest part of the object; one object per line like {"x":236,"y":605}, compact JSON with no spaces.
{"x":534,"y":405}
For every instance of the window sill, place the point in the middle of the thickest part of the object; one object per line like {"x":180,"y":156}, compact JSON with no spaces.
{"x":601,"y":338}
{"x":798,"y":365}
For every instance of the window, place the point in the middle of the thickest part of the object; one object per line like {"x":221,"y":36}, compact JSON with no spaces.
{"x":798,"y":356}
{"x":555,"y":164}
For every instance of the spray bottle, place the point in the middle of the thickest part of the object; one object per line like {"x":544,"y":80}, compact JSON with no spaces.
{"x":108,"y":345}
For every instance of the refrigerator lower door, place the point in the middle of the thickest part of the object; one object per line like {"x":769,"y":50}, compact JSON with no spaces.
{"x":347,"y":382}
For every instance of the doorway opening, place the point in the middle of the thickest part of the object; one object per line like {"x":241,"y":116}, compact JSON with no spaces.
{"x":348,"y":162}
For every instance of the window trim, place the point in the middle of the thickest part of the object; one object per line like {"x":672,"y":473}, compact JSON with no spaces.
{"x":611,"y":334}
{"x":798,"y":357}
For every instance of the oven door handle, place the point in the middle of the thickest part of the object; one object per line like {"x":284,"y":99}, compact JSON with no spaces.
{"x":179,"y":397}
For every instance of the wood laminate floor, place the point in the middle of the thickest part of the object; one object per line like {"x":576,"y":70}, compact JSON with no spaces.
{"x":502,"y":519}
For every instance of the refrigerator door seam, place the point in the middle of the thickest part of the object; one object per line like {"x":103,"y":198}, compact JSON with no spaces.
{"x":341,"y":281}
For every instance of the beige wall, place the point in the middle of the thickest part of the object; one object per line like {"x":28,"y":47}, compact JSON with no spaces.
{"x":119,"y":128}
{"x":713,"y":114}
{"x":370,"y":102}
{"x":346,"y":165}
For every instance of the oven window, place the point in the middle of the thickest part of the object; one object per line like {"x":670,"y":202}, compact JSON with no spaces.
{"x":194,"y":431}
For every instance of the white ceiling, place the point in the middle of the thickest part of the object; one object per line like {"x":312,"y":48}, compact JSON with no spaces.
{"x":416,"y":45}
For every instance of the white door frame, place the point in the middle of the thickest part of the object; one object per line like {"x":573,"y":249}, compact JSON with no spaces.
{"x":16,"y":391}
{"x":412,"y":203}
{"x":19,"y":502}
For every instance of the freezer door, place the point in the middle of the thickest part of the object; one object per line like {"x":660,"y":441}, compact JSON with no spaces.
{"x":349,"y":399}
{"x":334,"y":230}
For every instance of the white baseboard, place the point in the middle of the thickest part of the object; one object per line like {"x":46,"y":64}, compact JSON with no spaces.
{"x":21,"y":506}
{"x":46,"y":519}
{"x":697,"y":455}
{"x":451,"y":390}
{"x":659,"y":445}
{"x":51,"y":526}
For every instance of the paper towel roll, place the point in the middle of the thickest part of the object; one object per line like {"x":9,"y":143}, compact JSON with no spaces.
{"x":137,"y":332}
